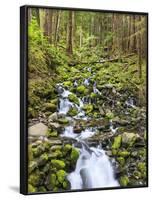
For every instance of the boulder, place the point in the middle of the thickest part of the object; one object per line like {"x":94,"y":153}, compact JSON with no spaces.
{"x":55,"y":125}
{"x":39,"y":129}
{"x":129,"y":138}
{"x":53,"y":117}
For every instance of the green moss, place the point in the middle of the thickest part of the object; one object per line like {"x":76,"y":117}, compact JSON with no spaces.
{"x":141,"y":166}
{"x":124,"y":181}
{"x":74,"y":155}
{"x":37,"y":151}
{"x":61,"y":176}
{"x":88,"y":108}
{"x":32,"y":166}
{"x":117,"y":142}
{"x":65,"y":184}
{"x":67,"y":83}
{"x":63,"y":121}
{"x":59,"y":164}
{"x":121,"y":160}
{"x":56,"y":154}
{"x":114,"y":152}
{"x":82,"y":89}
{"x":67,"y":148}
{"x":43,"y":159}
{"x":34,"y":179}
{"x":73,"y":98}
{"x":72,"y":112}
{"x":123,"y":153}
{"x":51,"y":133}
{"x":53,"y":180}
{"x":129,"y":139}
{"x":50,"y":107}
{"x":31,"y":188}
{"x":42,"y":189}
{"x":109,"y":115}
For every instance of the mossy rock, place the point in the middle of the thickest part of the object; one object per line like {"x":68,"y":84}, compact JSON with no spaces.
{"x":63,"y":121}
{"x":31,"y":188}
{"x":128,"y":139}
{"x":67,"y":84}
{"x":32,"y":166}
{"x":141,"y":167}
{"x":73,"y":98}
{"x":56,"y":154}
{"x":72,"y":112}
{"x":88,"y":108}
{"x":82,"y":90}
{"x":53,"y":180}
{"x":43,"y":159}
{"x":123,"y":153}
{"x":66,"y":185}
{"x":114,"y":152}
{"x":67,"y":148}
{"x":34,"y":179}
{"x":137,"y":174}
{"x":51,"y":133}
{"x":124,"y":181}
{"x":61,"y":176}
{"x":109,"y":115}
{"x":42,"y":189}
{"x":121,"y":161}
{"x":37,"y":151}
{"x":59,"y":164}
{"x":50,"y":107}
{"x":117,"y":142}
{"x":74,"y":155}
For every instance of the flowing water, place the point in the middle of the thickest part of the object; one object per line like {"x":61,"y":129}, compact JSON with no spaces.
{"x":93,"y":167}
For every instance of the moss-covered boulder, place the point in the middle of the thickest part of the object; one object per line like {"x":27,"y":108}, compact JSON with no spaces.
{"x":61,"y":176}
{"x":67,"y":148}
{"x":124,"y":181}
{"x":128,"y":139}
{"x":82,"y":90}
{"x":59,"y":164}
{"x":73,"y":111}
{"x":73,"y":98}
{"x":31,"y":188}
{"x":50,"y":107}
{"x":117,"y":142}
{"x":74,"y":155}
{"x":63,"y":121}
{"x":43,"y":159}
{"x":88,"y":108}
{"x":123,"y":153}
{"x":51,"y":133}
{"x":32,"y":166}
{"x":121,"y":161}
{"x":67,"y":84}
{"x":53,"y":180}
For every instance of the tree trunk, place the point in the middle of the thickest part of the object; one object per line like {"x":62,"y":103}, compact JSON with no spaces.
{"x":70,"y":33}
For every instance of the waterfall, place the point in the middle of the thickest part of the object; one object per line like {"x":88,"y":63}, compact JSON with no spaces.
{"x":92,"y":170}
{"x":93,"y":167}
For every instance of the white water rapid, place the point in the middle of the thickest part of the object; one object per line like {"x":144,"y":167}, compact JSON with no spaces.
{"x":93,"y":167}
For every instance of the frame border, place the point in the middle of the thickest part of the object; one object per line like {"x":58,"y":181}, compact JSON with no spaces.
{"x":24,"y":96}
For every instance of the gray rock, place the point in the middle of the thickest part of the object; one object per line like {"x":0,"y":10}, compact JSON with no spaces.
{"x":55,"y":125}
{"x":127,"y":138}
{"x":53,"y":117}
{"x":39,"y":129}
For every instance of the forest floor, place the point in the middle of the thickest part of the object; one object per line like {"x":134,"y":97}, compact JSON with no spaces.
{"x":114,"y":104}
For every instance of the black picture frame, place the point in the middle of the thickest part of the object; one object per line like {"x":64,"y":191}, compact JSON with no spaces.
{"x":24,"y":91}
